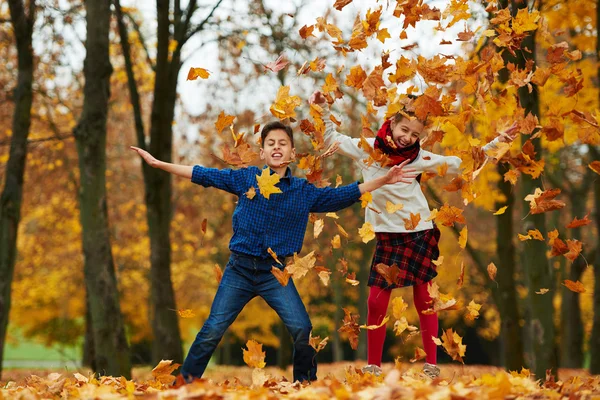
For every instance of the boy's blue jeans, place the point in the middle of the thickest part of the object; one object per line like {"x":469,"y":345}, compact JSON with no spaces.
{"x":244,"y":278}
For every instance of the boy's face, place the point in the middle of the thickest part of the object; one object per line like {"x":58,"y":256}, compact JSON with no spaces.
{"x":406,"y":132}
{"x":277,"y":148}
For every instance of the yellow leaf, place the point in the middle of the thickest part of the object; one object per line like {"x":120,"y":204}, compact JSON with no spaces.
{"x":196,"y":73}
{"x":535,"y":234}
{"x":373,"y":327}
{"x":439,"y":261}
{"x":285,"y":105}
{"x":419,"y":354}
{"x":223,"y":121}
{"x":318,"y":228}
{"x":501,"y":210}
{"x":473,"y":309}
{"x":332,"y":215}
{"x":251,"y":193}
{"x":254,"y":357}
{"x":462,"y":239}
{"x":316,"y":342}
{"x":299,"y":266}
{"x":433,"y":215}
{"x":274,"y":255}
{"x":342,"y":231}
{"x":398,"y":307}
{"x":338,"y":181}
{"x":336,"y":242}
{"x":187,"y":313}
{"x":411,"y":223}
{"x":267,"y":182}
{"x":542,"y":291}
{"x":162,"y":372}
{"x":366,"y":232}
{"x":392,"y":208}
{"x":452,"y":344}
{"x":365,"y":199}
{"x":218,"y":273}
{"x":523,"y":238}
{"x":492,"y":270}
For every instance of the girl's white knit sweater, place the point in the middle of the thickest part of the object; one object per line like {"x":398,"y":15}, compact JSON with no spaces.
{"x":408,"y":194}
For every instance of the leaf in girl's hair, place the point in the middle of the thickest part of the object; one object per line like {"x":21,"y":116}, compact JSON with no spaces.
{"x":419,"y":355}
{"x":411,"y":223}
{"x":389,"y":273}
{"x":351,"y":279}
{"x":350,"y":327}
{"x":186,"y":313}
{"x":392,"y":208}
{"x":452,"y":344}
{"x":365,"y":199}
{"x":398,"y":307}
{"x":462,"y":238}
{"x":576,"y":223}
{"x":266,"y":183}
{"x":316,"y":342}
{"x":324,"y":274}
{"x":336,"y":242}
{"x":576,"y":286}
{"x":195,"y":73}
{"x":223,"y":121}
{"x":218,"y":273}
{"x":278,"y":64}
{"x":373,"y":327}
{"x":254,"y":357}
{"x":299,"y":266}
{"x":473,"y":310}
{"x":366,"y":232}
{"x":575,"y":247}
{"x":318,"y":228}
{"x":492,"y":270}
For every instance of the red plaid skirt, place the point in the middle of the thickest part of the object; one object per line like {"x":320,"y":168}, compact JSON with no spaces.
{"x":412,"y":252}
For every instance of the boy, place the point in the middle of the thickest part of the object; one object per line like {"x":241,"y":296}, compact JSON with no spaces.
{"x":260,"y":225}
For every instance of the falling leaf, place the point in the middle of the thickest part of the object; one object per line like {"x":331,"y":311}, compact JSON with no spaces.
{"x":523,"y":238}
{"x":389,"y":273}
{"x":336,"y":242}
{"x":342,"y":231}
{"x":462,"y":239}
{"x":366,"y":232}
{"x":535,"y":234}
{"x":356,"y":77}
{"x":492,"y":270}
{"x":452,"y":344}
{"x":339,"y":4}
{"x":461,"y":276}
{"x":365,"y":199}
{"x":542,"y":291}
{"x":285,"y":105}
{"x":576,"y":286}
{"x":332,"y":215}
{"x":543,"y":201}
{"x":595,"y":166}
{"x":274,"y":255}
{"x":419,"y":355}
{"x":251,"y":193}
{"x":373,"y":327}
{"x":316,"y":342}
{"x":187,"y":313}
{"x":350,"y":327}
{"x":392,"y":208}
{"x":398,"y":307}
{"x":281,"y":275}
{"x":218,"y":273}
{"x":575,"y":247}
{"x":351,"y":279}
{"x":576,"y":223}
{"x":299,"y":266}
{"x":223,"y":121}
{"x":318,"y":228}
{"x":440,"y":301}
{"x":278,"y":64}
{"x":196,"y":73}
{"x":162,"y":372}
{"x":439,"y":261}
{"x":501,"y":210}
{"x":203,"y":226}
{"x":254,"y":357}
{"x":410,"y":224}
{"x":266,"y":183}
{"x":473,"y":310}
{"x":307,"y":31}
{"x":338,"y":181}
{"x":324,"y":275}
{"x":448,"y":215}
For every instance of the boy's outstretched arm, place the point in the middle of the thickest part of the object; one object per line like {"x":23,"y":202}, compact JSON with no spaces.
{"x":184,"y":171}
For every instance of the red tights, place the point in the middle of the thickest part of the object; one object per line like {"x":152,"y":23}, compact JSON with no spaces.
{"x":377,"y":309}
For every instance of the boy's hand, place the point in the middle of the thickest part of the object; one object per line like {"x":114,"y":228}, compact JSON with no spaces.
{"x":149,"y":158}
{"x":399,"y":173}
{"x":316,"y":98}
{"x":509,"y":134}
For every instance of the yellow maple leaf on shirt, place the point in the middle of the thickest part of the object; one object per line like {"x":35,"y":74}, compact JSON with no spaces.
{"x":266,"y":183}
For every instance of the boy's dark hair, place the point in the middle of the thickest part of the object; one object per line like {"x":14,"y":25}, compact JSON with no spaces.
{"x":272,"y":126}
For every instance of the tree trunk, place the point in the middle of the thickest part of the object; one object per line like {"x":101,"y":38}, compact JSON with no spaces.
{"x":571,"y":323}
{"x":511,"y":339}
{"x":110,"y":343}
{"x":89,"y":357}
{"x":595,"y":336}
{"x":10,"y":200}
{"x":533,"y":255}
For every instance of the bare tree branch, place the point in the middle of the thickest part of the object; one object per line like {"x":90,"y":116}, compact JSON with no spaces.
{"x":200,"y":26}
{"x":137,"y":29}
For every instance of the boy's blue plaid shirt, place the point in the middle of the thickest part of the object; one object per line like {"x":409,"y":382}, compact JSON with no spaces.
{"x":278,"y":223}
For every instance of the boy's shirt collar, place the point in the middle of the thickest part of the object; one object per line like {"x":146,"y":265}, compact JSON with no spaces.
{"x":287,"y":175}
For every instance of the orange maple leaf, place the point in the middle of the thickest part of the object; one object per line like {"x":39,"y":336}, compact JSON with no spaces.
{"x":350,"y":327}
{"x":223,"y":121}
{"x":576,"y":223}
{"x":195,"y":73}
{"x":254,"y":357}
{"x":411,"y":223}
{"x":576,"y":286}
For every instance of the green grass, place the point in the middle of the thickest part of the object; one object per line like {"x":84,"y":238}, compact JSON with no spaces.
{"x":29,"y":353}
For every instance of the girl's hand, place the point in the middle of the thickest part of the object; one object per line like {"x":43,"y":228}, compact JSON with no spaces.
{"x":509,"y":134}
{"x":399,"y":173}
{"x":149,"y":158}
{"x":316,"y":98}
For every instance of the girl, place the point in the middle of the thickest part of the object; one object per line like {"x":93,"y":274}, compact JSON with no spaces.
{"x":411,"y":250}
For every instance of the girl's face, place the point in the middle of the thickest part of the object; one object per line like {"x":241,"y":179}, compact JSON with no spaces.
{"x":406,"y":132}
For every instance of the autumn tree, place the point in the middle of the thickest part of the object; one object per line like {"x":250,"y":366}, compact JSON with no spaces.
{"x":22,"y":18}
{"x":110,"y":343}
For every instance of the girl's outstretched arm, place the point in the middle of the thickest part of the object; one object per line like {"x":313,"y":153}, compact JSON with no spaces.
{"x":175,"y":169}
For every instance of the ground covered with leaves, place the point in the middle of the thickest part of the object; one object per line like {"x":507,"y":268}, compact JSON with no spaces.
{"x":337,"y":381}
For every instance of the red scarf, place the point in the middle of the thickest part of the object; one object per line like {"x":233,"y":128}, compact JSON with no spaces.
{"x":385,"y":142}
